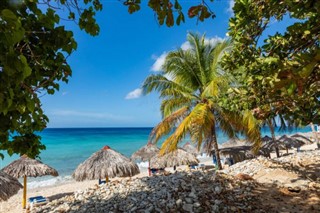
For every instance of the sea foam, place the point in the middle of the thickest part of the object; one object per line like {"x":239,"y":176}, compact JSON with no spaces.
{"x":36,"y":182}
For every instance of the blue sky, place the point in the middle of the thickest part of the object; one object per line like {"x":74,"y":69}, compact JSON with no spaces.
{"x":109,"y":69}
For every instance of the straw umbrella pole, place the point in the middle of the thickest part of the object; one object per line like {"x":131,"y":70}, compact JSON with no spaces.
{"x":105,"y":163}
{"x":9,"y":186}
{"x":27,"y":167}
{"x":175,"y":158}
{"x":146,"y":153}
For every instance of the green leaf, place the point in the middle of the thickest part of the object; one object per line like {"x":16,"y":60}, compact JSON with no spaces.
{"x":307,"y":70}
{"x":8,"y":15}
{"x":291,"y":89}
{"x":30,"y":105}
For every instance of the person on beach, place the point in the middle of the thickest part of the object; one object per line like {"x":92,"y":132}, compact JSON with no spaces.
{"x":214,"y":158}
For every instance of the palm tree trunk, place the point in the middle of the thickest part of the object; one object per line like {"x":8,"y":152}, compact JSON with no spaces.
{"x":273,"y":137}
{"x":216,"y":149}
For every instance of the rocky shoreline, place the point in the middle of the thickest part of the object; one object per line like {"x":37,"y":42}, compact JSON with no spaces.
{"x":302,"y":165}
{"x":199,"y":191}
{"x":237,"y":189}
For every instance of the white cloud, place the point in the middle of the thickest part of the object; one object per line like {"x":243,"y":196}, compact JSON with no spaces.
{"x":169,"y":76}
{"x":213,"y":41}
{"x":186,"y":45}
{"x":159,"y":61}
{"x":64,"y":93}
{"x":134,"y":94}
{"x":230,"y":10}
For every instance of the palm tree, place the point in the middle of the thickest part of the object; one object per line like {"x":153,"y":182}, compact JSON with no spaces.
{"x":190,"y":87}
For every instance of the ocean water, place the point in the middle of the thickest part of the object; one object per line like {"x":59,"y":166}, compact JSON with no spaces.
{"x":68,"y":147}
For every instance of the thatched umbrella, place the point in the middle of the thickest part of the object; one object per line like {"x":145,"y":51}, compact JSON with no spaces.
{"x":175,"y":158}
{"x":266,"y":138}
{"x":190,"y":148}
{"x":240,"y":153}
{"x":237,"y":153}
{"x":271,"y":145}
{"x":301,"y":137}
{"x":291,"y":142}
{"x":105,"y":163}
{"x":9,"y":186}
{"x":145,"y":153}
{"x":27,"y":167}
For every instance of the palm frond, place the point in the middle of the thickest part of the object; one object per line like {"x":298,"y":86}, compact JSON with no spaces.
{"x":200,"y":117}
{"x":199,"y":48}
{"x":169,"y":106}
{"x":219,"y":50}
{"x":167,"y":124}
{"x":251,"y":129}
{"x":180,"y":65}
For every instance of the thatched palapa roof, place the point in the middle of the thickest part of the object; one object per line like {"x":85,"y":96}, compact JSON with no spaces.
{"x":175,"y":158}
{"x":26,"y":166}
{"x":238,"y":153}
{"x":291,"y":141}
{"x":105,"y":163}
{"x":9,"y":186}
{"x":271,"y":145}
{"x":301,"y":137}
{"x":266,"y":138}
{"x":146,"y":152}
{"x":190,"y":148}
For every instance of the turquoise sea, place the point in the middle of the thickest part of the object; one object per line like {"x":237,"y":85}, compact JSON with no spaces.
{"x":68,"y":147}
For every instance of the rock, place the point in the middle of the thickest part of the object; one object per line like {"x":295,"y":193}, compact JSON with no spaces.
{"x":133,"y":209}
{"x":295,"y":189}
{"x":242,"y":176}
{"x":196,"y":204}
{"x":217,"y":202}
{"x":179,"y":202}
{"x":188,"y":207}
{"x":217,"y":189}
{"x":233,"y":208}
{"x":188,"y":200}
{"x":215,"y":208}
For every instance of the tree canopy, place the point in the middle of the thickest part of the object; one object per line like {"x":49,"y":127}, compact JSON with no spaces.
{"x":34,"y":47}
{"x":280,"y":74}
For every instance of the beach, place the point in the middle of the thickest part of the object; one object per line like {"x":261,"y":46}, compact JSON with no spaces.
{"x":259,"y":173}
{"x":65,"y":188}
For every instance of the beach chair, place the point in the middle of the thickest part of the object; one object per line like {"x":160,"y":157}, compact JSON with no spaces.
{"x":153,"y":171}
{"x":102,"y":182}
{"x":37,"y":201}
{"x":195,"y":166}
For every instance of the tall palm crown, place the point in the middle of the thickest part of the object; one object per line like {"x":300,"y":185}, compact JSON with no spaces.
{"x":190,"y":86}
